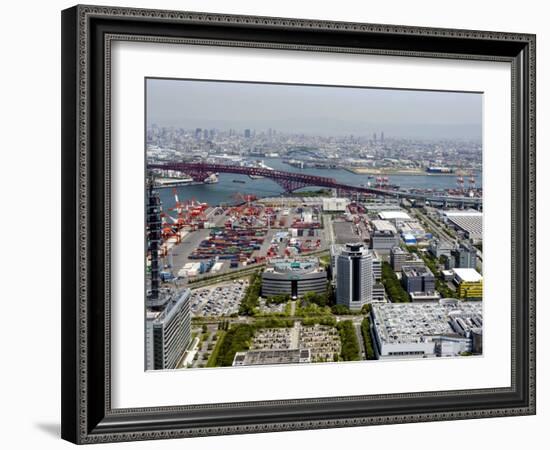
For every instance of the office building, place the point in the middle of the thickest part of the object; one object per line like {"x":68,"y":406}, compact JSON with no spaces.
{"x":354,"y":280}
{"x":168,"y":329}
{"x":464,"y":256}
{"x":400,"y":258}
{"x":384,"y":241}
{"x":378,"y":293}
{"x":418,"y":279}
{"x":440,"y":248}
{"x":376,"y":268}
{"x":294,"y":277}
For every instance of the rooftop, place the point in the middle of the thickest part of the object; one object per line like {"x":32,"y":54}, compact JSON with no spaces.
{"x":416,"y":322}
{"x":416,"y":271}
{"x":381,"y":225}
{"x":159,"y":314}
{"x":280,"y":356}
{"x":298,"y":265}
{"x":392,"y":215}
{"x":462,"y":213}
{"x":469,"y":275}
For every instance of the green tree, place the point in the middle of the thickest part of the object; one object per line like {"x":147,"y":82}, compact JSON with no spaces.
{"x":348,"y":340}
{"x":367,"y":339}
{"x":340,"y":310}
{"x":392,"y":285}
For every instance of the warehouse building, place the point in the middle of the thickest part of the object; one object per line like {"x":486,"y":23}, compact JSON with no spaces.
{"x":408,"y":330}
{"x":469,"y":283}
{"x":394,"y":215}
{"x":469,"y":222}
{"x":294,"y":277}
{"x":334,"y":204}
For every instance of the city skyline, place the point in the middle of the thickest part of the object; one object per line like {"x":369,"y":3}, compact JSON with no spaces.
{"x":321,"y":110}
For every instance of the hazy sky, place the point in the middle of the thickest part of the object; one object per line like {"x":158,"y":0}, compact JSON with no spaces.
{"x":314,"y":109}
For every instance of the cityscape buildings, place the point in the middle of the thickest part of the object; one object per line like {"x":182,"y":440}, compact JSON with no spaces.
{"x":276,"y":241}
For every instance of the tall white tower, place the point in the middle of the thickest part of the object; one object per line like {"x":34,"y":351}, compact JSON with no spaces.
{"x":354,"y":279}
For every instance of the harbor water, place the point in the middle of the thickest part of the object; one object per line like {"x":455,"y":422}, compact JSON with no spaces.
{"x":230,"y":184}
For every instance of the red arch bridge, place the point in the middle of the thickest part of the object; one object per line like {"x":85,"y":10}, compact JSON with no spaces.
{"x":291,"y":181}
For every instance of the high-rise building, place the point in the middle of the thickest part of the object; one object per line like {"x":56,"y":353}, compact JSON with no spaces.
{"x":247,"y":133}
{"x":168,"y":330}
{"x":354,"y":282}
{"x":382,"y":137}
{"x":198,"y":133}
{"x":168,"y":320}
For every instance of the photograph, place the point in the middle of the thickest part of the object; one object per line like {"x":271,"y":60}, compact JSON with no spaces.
{"x":302,"y":223}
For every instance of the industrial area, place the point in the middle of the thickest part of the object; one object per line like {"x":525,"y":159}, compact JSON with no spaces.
{"x":339,"y":274}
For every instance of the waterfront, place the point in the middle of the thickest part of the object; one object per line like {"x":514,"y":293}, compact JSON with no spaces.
{"x":224,"y":192}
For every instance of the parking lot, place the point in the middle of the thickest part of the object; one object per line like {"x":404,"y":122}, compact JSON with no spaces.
{"x":218,"y":300}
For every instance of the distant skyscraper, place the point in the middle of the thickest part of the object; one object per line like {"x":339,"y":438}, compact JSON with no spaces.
{"x":354,"y":280}
{"x":374,"y":137}
{"x":382,"y":137}
{"x":247,"y":133}
{"x":198,"y":132}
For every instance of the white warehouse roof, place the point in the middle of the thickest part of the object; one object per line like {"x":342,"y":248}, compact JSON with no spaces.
{"x":471,"y":275}
{"x":462,"y":213}
{"x":393,"y":215}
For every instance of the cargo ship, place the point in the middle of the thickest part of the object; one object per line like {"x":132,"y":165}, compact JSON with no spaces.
{"x":171,"y":180}
{"x":439,"y":170}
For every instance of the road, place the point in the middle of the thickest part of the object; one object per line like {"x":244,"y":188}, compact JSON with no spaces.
{"x":329,"y":230}
{"x":436,"y":228}
{"x":359,"y":335}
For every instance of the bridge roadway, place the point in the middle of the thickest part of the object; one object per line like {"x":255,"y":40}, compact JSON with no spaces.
{"x":291,"y":181}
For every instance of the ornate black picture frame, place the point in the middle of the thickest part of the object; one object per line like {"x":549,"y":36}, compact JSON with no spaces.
{"x":87,"y":34}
